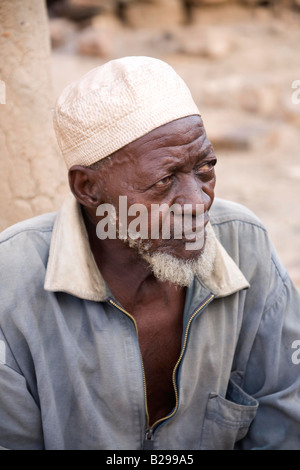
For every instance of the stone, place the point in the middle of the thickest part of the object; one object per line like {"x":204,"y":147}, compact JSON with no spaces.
{"x":209,"y":2}
{"x":220,"y":14}
{"x":79,"y":10}
{"x":246,"y":138}
{"x":147,"y":42}
{"x":92,"y":6}
{"x":107,"y":21}
{"x":95,"y":42}
{"x":213,"y":43}
{"x":257,"y":94}
{"x":290,"y":108}
{"x":103,"y":4}
{"x":234,"y":130}
{"x":157,"y":14}
{"x":61,"y":31}
{"x":100,"y":38}
{"x":260,"y":97}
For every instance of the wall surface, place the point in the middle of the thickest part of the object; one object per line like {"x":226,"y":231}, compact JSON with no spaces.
{"x":31,"y":169}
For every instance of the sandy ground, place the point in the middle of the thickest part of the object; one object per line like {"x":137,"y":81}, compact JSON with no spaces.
{"x":246,"y":94}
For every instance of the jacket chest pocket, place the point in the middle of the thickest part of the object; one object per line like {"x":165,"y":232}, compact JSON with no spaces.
{"x":227,"y":420}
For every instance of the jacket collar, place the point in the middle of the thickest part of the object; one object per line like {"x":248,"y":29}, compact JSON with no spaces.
{"x":70,"y":241}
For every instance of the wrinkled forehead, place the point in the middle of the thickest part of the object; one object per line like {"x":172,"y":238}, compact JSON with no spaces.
{"x":162,"y":144}
{"x":175,"y":133}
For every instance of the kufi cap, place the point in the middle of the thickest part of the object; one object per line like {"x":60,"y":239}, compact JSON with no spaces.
{"x":115,"y":104}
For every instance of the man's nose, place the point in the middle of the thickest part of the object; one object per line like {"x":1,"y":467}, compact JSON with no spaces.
{"x":191,"y":193}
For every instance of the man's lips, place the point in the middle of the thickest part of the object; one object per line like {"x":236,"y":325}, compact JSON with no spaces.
{"x":192,"y":233}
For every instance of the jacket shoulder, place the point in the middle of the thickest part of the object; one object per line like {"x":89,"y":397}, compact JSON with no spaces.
{"x":24,"y":249}
{"x":224,"y":211}
{"x":41,"y":223}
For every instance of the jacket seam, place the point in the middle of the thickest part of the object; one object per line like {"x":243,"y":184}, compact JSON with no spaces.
{"x":279,"y":292}
{"x":11,"y":368}
{"x":241,"y":221}
{"x":25,"y":231}
{"x":213,"y":416}
{"x":284,"y":276}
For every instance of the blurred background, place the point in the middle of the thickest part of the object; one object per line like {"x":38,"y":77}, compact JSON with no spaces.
{"x":240,"y":59}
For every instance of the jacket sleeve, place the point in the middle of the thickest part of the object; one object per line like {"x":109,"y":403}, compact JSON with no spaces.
{"x":20,"y":421}
{"x":272,"y":375}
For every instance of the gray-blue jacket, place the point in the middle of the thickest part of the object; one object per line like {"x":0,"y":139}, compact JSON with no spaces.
{"x":71,"y":373}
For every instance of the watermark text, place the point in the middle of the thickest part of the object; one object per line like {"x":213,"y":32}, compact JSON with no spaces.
{"x":2,"y":92}
{"x":159,"y":221}
{"x":296,"y":93}
{"x":296,"y":353}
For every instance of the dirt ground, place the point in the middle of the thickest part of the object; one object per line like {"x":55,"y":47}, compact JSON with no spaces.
{"x":244,"y":91}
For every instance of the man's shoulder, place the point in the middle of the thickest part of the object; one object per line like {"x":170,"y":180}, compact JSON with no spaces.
{"x":225,"y":212}
{"x":26,"y":241}
{"x":41,"y":224}
{"x":246,"y":239}
{"x":24,"y":251}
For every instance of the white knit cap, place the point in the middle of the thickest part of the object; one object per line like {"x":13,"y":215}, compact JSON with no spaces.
{"x":115,"y":104}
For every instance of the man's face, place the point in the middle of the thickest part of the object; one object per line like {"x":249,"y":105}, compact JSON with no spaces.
{"x":174,"y":164}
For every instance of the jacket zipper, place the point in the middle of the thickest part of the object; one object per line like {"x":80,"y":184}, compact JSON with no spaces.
{"x":148,"y":439}
{"x":143,"y":369}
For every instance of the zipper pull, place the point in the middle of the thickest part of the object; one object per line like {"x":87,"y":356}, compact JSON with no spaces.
{"x":149,"y":440}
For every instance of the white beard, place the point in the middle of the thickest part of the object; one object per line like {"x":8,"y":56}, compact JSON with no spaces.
{"x":181,"y":272}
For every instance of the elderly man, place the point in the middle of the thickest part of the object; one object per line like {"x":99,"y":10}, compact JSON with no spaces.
{"x":114,"y":337}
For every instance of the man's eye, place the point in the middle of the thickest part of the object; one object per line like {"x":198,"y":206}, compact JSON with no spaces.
{"x":206,"y":167}
{"x":163,"y":181}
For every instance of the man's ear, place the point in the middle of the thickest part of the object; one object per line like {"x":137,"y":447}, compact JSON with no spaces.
{"x":83,"y":184}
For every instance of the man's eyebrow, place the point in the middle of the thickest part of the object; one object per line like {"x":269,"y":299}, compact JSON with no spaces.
{"x":206,"y":152}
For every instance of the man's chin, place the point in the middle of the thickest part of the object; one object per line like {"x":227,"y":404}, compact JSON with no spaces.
{"x":183,"y":249}
{"x":181,"y":266}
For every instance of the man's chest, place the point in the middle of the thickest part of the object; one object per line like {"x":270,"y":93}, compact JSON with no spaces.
{"x":160,"y":334}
